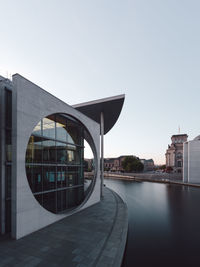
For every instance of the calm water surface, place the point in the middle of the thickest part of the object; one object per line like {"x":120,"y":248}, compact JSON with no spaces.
{"x":164,"y":223}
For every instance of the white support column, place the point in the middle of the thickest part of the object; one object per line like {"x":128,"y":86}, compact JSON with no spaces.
{"x":102,"y":150}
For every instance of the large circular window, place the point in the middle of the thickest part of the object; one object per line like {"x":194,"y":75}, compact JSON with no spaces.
{"x":55,"y":164}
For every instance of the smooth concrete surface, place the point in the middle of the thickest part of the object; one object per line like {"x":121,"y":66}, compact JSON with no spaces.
{"x":191,"y":162}
{"x":185,"y":162}
{"x":31,"y":104}
{"x":95,"y":236}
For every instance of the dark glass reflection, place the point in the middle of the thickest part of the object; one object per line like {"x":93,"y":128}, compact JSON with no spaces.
{"x":49,"y":151}
{"x":54,"y":163}
{"x":8,"y":133}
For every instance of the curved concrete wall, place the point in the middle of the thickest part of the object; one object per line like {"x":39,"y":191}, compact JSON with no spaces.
{"x":30,"y":104}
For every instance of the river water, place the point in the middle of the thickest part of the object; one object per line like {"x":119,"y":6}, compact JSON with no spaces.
{"x":164,"y":223}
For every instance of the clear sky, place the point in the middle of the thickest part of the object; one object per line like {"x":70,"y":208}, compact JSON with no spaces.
{"x":81,"y":50}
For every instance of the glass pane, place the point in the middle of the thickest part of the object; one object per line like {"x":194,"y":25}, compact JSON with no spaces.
{"x":34,"y":175}
{"x":29,"y":174}
{"x":49,"y":201}
{"x":80,"y":176}
{"x":73,"y":176}
{"x":71,"y":197}
{"x":72,"y":179}
{"x":8,"y":109}
{"x":74,"y":131}
{"x":61,"y":130}
{"x":37,"y":179}
{"x":34,"y":150}
{"x":75,"y":196}
{"x":38,"y":129}
{"x":49,"y":127}
{"x":49,"y":178}
{"x":61,"y":149}
{"x":8,"y":145}
{"x":80,"y":195}
{"x":37,"y":152}
{"x":65,"y":183}
{"x":74,"y":156}
{"x":61,"y":177}
{"x":71,"y":156}
{"x":49,"y":151}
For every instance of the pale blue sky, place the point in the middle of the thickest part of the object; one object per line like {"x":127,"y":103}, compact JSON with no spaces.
{"x":84,"y":50}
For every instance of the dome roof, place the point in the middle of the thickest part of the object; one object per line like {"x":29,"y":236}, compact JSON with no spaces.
{"x":197,"y":138}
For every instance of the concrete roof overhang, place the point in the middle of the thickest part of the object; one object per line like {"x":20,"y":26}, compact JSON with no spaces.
{"x":110,"y":106}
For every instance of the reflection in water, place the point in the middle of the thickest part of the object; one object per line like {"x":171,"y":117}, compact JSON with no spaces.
{"x":164,"y":223}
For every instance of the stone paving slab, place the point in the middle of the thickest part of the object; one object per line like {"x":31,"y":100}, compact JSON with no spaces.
{"x":92,"y":237}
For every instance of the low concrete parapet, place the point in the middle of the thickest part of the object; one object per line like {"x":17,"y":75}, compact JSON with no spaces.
{"x":147,"y":179}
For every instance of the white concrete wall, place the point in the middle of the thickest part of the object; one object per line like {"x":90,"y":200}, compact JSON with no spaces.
{"x":33,"y":104}
{"x":185,"y":162}
{"x":194,"y":161}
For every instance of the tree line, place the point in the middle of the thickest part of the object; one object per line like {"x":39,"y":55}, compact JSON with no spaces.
{"x":132,"y":164}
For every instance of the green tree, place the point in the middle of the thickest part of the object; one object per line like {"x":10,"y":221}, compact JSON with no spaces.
{"x":131,"y":163}
{"x":162,"y":167}
{"x":139,"y":166}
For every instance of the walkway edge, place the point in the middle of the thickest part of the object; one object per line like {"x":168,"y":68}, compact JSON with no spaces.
{"x":114,"y":249}
{"x":121,"y":249}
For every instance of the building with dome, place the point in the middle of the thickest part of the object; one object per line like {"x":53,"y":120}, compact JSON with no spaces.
{"x":191,"y":161}
{"x":174,"y":153}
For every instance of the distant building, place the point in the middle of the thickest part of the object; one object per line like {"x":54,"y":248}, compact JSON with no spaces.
{"x":114,"y":164}
{"x":174,"y":153}
{"x":90,"y":164}
{"x":148,"y":164}
{"x":191,"y":161}
{"x":108,"y":164}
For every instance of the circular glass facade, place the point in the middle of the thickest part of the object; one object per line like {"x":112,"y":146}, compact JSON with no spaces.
{"x":55,"y":163}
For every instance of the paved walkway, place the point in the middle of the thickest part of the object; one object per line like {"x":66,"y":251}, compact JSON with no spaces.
{"x":95,"y":236}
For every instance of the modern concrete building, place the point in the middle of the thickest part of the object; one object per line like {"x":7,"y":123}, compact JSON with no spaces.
{"x":191,"y":161}
{"x":42,"y":154}
{"x":174,"y":153}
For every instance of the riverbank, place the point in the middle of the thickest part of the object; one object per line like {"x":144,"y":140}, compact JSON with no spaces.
{"x":147,"y":178}
{"x":95,"y":237}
